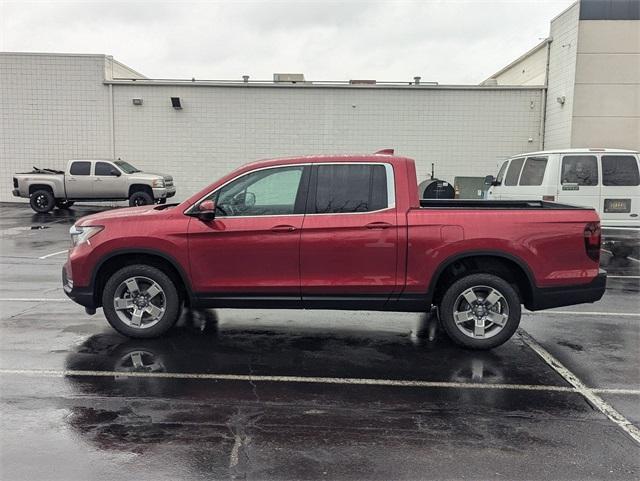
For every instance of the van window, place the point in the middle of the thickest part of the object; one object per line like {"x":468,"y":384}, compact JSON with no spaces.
{"x":348,"y":188}
{"x":620,"y":170}
{"x":80,"y":168}
{"x":501,"y":172}
{"x":513,"y":172}
{"x":533,"y":171}
{"x":579,"y":169}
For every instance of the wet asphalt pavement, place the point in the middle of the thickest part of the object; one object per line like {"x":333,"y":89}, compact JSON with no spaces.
{"x":242,"y":394}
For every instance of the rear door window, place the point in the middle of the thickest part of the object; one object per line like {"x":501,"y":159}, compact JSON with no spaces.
{"x":349,"y":188}
{"x":513,"y":172}
{"x":80,"y":168}
{"x":620,"y":170}
{"x":533,"y":171}
{"x":579,"y":169}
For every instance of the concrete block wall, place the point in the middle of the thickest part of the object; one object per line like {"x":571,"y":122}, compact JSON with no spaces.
{"x":52,"y":108}
{"x":462,"y":131}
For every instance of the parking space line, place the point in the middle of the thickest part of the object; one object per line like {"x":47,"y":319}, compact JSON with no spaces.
{"x":284,"y":379}
{"x":31,"y":299}
{"x":585,"y":313}
{"x":623,"y":277}
{"x":53,"y":254}
{"x":589,"y":394}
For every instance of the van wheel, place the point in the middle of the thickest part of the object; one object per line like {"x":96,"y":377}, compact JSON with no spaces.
{"x":140,"y":198}
{"x":480,"y":311}
{"x":64,"y":204}
{"x":42,"y":201}
{"x":141,"y":301}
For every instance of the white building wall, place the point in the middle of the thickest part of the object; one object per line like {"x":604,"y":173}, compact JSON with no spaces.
{"x":462,"y":131}
{"x":52,"y":108}
{"x":562,"y":69}
{"x":58,"y":107}
{"x":530,"y":69}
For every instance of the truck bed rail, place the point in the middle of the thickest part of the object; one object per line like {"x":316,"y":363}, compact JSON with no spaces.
{"x":495,"y":204}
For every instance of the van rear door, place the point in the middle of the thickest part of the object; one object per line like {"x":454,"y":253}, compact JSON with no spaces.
{"x":579,"y":180}
{"x":620,"y":191}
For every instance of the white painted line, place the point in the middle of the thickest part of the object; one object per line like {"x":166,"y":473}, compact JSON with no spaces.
{"x":54,"y":254}
{"x":634,"y":259}
{"x":623,"y":277}
{"x":585,"y":313}
{"x":292,"y":379}
{"x":589,"y":394}
{"x":31,"y":299}
{"x":616,"y":391}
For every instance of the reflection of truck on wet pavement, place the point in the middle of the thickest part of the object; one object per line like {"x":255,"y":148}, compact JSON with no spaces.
{"x":92,"y":180}
{"x":608,"y":180}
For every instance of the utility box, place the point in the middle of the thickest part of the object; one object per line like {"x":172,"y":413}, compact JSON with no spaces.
{"x":470,"y":187}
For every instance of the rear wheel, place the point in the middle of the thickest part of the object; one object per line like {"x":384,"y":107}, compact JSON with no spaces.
{"x":42,"y":201}
{"x":141,"y":301}
{"x":480,"y":311}
{"x":140,"y":198}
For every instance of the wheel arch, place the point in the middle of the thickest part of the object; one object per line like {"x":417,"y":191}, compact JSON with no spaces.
{"x":510,"y":267}
{"x":133,"y":188}
{"x":35,"y":187}
{"x":110,"y":263}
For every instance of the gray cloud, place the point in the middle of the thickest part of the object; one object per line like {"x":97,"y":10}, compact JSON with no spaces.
{"x":446,"y":41}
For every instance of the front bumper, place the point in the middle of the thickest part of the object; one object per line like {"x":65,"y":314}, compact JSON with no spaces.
{"x":82,"y":295}
{"x":164,"y":192}
{"x":548,"y":297}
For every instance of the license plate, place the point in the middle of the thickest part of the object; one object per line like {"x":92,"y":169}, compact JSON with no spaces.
{"x":617,"y":205}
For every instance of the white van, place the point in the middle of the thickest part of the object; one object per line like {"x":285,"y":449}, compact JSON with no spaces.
{"x":606,"y":179}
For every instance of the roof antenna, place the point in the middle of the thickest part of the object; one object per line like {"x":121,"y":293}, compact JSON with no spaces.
{"x":432,"y":172}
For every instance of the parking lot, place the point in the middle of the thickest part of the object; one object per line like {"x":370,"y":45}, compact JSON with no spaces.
{"x":280,"y":394}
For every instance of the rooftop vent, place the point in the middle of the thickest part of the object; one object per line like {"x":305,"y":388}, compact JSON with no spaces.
{"x":288,"y":78}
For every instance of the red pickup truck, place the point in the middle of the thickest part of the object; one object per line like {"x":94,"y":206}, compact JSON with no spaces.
{"x":335,"y":232}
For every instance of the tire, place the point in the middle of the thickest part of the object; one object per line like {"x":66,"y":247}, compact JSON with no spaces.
{"x":42,"y":201}
{"x":162,"y":201}
{"x":64,"y":204}
{"x":140,"y":198}
{"x":457,"y":314}
{"x":137,"y":316}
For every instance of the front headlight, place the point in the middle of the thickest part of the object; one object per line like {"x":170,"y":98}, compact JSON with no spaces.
{"x":82,"y":234}
{"x":158,"y":183}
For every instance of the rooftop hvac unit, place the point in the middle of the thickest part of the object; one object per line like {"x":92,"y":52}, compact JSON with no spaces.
{"x":288,"y":77}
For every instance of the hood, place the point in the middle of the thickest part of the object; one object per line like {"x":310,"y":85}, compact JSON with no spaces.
{"x":115,"y":214}
{"x":151,"y":174}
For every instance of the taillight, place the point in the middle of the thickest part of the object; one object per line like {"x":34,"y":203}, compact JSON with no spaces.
{"x":592,"y":240}
{"x":549,"y":198}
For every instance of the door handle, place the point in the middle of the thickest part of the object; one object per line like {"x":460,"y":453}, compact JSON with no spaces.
{"x":378,"y":225}
{"x":283,"y":228}
{"x":98,"y":180}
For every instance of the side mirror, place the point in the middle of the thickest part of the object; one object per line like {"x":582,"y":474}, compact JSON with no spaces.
{"x":115,"y":172}
{"x":207,"y":210}
{"x":489,"y":180}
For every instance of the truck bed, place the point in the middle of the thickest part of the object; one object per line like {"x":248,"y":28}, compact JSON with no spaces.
{"x":495,"y":204}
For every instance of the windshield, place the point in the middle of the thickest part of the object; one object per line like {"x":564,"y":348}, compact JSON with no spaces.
{"x":126,"y":167}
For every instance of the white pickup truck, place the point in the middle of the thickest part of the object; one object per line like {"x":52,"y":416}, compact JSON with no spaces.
{"x":93,"y":181}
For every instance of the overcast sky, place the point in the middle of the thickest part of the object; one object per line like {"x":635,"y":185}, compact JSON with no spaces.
{"x":449,"y":41}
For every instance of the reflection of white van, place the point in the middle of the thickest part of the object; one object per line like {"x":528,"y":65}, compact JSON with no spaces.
{"x":606,"y":179}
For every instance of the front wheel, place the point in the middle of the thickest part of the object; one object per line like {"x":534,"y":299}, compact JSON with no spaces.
{"x":480,"y":311}
{"x":141,"y":301}
{"x":140,"y":198}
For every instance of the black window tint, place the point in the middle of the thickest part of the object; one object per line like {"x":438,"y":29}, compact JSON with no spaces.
{"x":620,"y":170}
{"x":102,"y":168}
{"x":579,"y":169}
{"x":263,"y":192}
{"x":533,"y":171}
{"x":80,"y":168}
{"x":350,"y":188}
{"x":513,"y":172}
{"x":501,"y":173}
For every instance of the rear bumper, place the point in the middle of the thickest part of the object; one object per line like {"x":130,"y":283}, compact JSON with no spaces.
{"x":81,"y":295}
{"x":548,"y":297}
